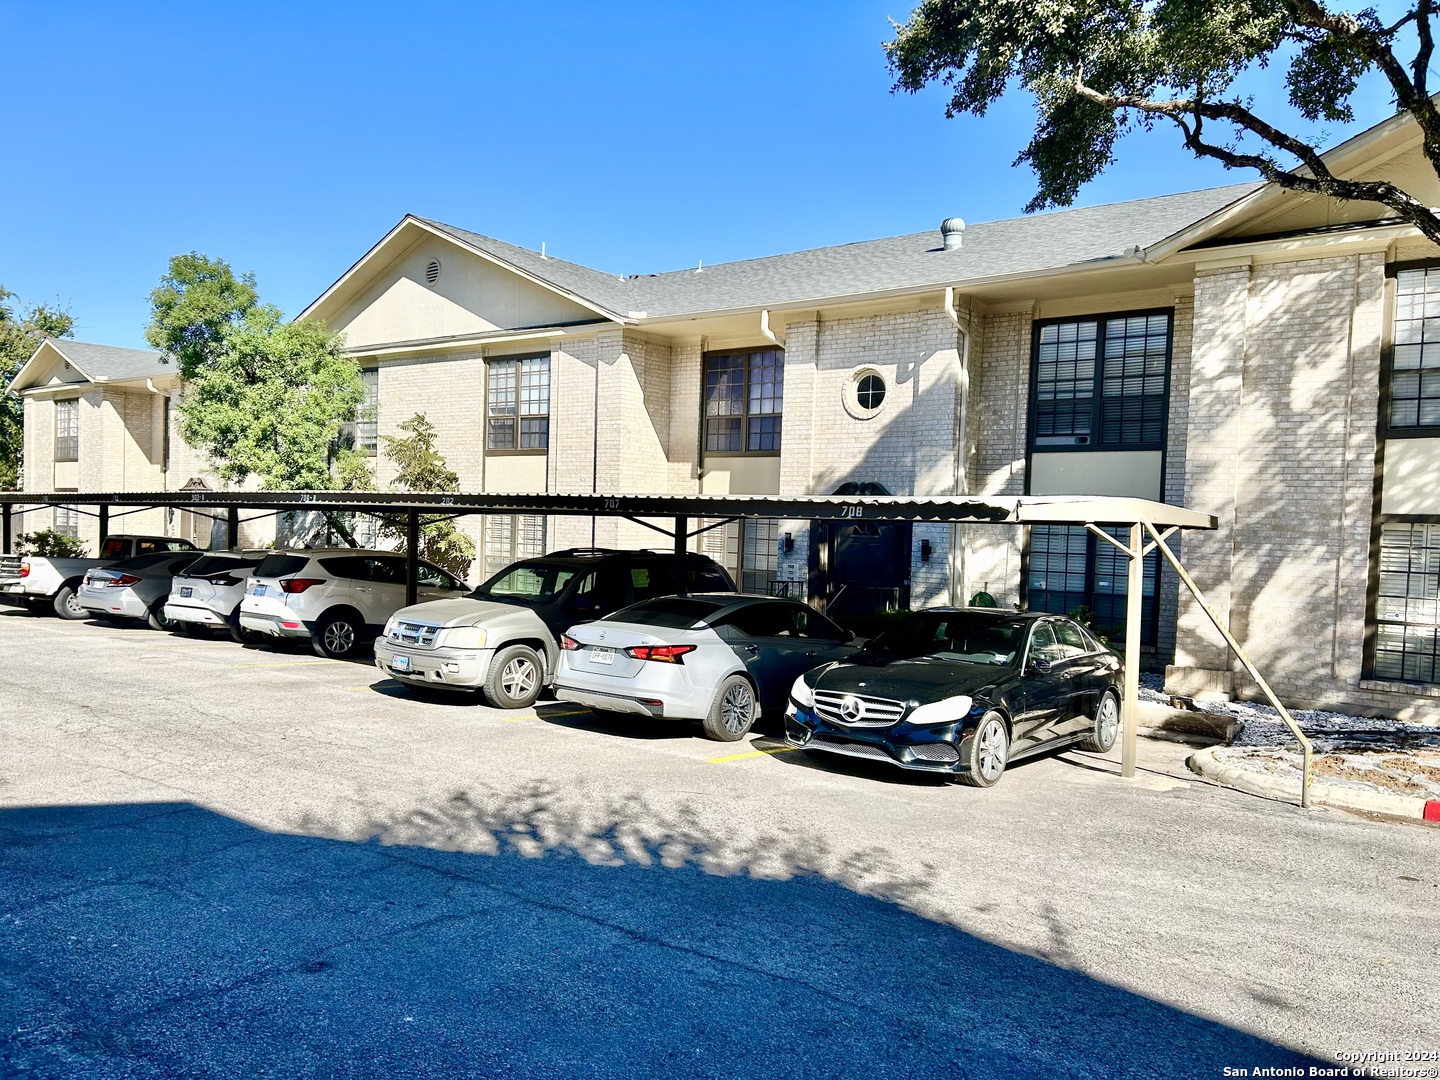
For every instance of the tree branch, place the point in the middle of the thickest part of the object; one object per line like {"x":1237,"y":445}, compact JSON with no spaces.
{"x":1190,"y":114}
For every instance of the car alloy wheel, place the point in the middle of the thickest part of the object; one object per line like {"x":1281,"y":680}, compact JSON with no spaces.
{"x":518,"y":677}
{"x":991,"y":750}
{"x":339,"y":637}
{"x":736,"y":708}
{"x":1106,"y":728}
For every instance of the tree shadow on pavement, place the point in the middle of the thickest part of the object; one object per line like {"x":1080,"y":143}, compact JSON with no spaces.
{"x":510,"y":935}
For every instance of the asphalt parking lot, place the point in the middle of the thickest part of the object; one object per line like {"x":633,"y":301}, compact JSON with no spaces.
{"x":225,"y":861}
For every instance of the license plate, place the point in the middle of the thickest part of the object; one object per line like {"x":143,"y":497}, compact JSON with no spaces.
{"x":186,"y":590}
{"x":602,"y":655}
{"x":400,"y":663}
{"x":259,"y":590}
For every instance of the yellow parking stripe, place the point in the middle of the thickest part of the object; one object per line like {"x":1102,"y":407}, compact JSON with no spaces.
{"x":751,"y":754}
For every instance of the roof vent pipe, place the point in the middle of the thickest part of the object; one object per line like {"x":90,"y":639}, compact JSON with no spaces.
{"x":952,"y":231}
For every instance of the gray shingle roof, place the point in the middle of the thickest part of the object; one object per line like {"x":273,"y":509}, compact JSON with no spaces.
{"x":1064,"y":238}
{"x":113,"y":362}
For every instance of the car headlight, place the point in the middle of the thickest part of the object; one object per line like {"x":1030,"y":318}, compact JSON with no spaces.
{"x":803,"y":693}
{"x":947,"y":711}
{"x":464,"y":637}
{"x":389,"y":627}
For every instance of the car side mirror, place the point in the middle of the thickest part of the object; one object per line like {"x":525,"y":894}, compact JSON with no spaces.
{"x":1039,"y":665}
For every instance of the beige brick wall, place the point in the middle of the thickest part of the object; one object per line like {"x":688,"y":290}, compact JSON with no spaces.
{"x":1000,"y":386}
{"x":1281,"y":448}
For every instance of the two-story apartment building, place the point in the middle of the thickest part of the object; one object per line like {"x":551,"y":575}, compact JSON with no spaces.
{"x":1258,"y":355}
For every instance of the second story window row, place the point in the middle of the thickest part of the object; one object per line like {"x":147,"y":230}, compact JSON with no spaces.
{"x":1415,"y":360}
{"x":67,"y":430}
{"x":517,"y":397}
{"x":1101,"y":382}
{"x":744,"y":399}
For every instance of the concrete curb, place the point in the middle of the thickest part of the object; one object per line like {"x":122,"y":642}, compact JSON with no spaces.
{"x":1322,"y":792}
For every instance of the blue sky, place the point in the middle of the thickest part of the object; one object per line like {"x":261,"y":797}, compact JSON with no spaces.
{"x":288,"y":138}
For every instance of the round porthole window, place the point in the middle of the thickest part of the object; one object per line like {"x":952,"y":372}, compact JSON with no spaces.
{"x":865,"y":393}
{"x":432,"y":271}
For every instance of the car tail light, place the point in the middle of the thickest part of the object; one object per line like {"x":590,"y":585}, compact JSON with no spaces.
{"x":665,"y":654}
{"x":25,"y":569}
{"x":122,"y":581}
{"x":300,"y":584}
{"x":568,"y":643}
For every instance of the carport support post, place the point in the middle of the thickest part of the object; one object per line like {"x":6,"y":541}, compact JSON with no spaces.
{"x":232,"y":528}
{"x":5,"y":547}
{"x":682,"y":526}
{"x":1131,"y":708}
{"x":104,"y":517}
{"x":412,"y":555}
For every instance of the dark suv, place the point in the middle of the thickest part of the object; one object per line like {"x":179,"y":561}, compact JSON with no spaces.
{"x":503,"y":638}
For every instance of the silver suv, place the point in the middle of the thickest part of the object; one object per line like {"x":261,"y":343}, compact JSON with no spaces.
{"x":338,"y":598}
{"x":503,"y":639}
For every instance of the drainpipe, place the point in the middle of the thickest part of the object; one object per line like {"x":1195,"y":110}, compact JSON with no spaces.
{"x":765,"y":330}
{"x":962,"y":420}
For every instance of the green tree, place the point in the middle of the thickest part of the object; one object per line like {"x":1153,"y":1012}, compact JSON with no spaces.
{"x":420,"y":467}
{"x":1101,"y":69}
{"x":197,"y":304}
{"x":262,"y":397}
{"x":21,"y":332}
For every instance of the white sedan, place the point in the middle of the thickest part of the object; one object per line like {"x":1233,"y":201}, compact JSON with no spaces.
{"x":720,"y":658}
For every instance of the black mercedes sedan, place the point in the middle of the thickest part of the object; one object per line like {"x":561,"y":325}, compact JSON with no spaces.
{"x":963,"y":691}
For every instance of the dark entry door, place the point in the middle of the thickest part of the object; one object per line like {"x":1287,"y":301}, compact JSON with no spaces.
{"x":860,"y":568}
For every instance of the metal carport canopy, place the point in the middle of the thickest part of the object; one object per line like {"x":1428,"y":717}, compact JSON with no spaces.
{"x":1139,"y":516}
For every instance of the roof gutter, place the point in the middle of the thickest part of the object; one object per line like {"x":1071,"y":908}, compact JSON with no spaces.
{"x":765,"y":330}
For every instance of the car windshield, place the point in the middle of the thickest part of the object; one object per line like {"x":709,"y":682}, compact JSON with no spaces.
{"x":967,"y":637}
{"x":527,"y":583}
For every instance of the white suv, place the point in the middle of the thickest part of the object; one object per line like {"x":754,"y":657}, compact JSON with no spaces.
{"x":207,"y":593}
{"x":339,"y":598}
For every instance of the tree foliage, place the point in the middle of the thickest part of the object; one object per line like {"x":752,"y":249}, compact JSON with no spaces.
{"x":21,"y":332}
{"x":262,"y":397}
{"x":47,"y":543}
{"x":1100,"y":69}
{"x":420,"y":467}
{"x":197,"y":304}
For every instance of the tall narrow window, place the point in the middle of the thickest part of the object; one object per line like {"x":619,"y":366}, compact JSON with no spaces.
{"x":67,"y":430}
{"x":744,"y":399}
{"x":367,"y":418}
{"x":749,"y":550}
{"x":1415,"y":358}
{"x":67,"y":521}
{"x":165,"y":437}
{"x":517,"y":397}
{"x":1407,"y":604}
{"x":1065,"y":380}
{"x":510,"y":538}
{"x":1134,"y":374}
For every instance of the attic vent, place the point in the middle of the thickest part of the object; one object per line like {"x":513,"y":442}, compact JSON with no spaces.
{"x":952,"y":233}
{"x":432,"y":271}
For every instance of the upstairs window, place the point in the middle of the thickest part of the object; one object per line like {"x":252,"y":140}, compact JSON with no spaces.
{"x":67,"y":430}
{"x":367,"y":418}
{"x":1101,"y":382}
{"x":744,"y":395}
{"x":1415,"y":357}
{"x":517,"y":397}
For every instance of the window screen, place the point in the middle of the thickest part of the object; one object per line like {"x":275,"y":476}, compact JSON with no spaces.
{"x":1065,"y":378}
{"x":1407,"y":605}
{"x":1132,"y":401}
{"x":1415,"y":360}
